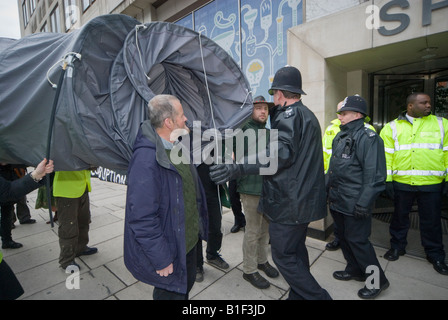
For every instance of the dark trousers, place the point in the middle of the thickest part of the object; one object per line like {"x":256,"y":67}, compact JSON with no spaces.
{"x":162,"y":294}
{"x":10,"y":288}
{"x":290,"y":255}
{"x":429,"y":211}
{"x":7,"y":219}
{"x":235,"y":201}
{"x":355,"y":244}
{"x":23,"y":211}
{"x":73,"y":231}
{"x":214,"y":214}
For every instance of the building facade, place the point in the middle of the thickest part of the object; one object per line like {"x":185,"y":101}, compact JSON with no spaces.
{"x":380,"y":49}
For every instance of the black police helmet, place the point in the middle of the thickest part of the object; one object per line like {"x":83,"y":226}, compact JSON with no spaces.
{"x":289,"y":79}
{"x":354,"y":103}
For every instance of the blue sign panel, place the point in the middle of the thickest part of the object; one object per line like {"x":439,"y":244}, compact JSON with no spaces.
{"x":219,"y":21}
{"x":259,"y":47}
{"x":264,"y":29}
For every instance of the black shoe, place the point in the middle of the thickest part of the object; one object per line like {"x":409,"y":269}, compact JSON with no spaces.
{"x":394,"y":254}
{"x":365,"y":293}
{"x":270,"y":271}
{"x":345,"y":276}
{"x":439,"y":266}
{"x":218,"y":262}
{"x":257,"y":280}
{"x":333,"y":245}
{"x":11,"y":245}
{"x":88,"y":251}
{"x":236,"y":228}
{"x":29,"y":221}
{"x":199,"y":274}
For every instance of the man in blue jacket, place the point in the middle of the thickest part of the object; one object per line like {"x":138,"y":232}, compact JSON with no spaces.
{"x":166,"y":213}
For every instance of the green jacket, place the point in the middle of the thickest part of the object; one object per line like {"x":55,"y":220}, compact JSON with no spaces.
{"x":256,"y":138}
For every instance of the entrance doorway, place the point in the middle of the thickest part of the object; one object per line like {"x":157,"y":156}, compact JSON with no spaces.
{"x":389,"y":92}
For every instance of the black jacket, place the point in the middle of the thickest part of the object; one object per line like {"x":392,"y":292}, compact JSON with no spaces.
{"x":296,"y":193}
{"x":357,"y":172}
{"x":11,"y":191}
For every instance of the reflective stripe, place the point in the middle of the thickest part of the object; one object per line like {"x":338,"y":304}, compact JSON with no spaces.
{"x":389,"y":150}
{"x":418,"y":173}
{"x":430,"y":146}
{"x":393,"y":126}
{"x":442,"y":131}
{"x":328,"y":151}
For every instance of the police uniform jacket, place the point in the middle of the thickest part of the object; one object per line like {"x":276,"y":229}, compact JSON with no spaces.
{"x":296,"y":193}
{"x":357,"y":172}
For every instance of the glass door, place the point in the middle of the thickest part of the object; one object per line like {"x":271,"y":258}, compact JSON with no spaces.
{"x":390,"y":93}
{"x":441,"y":97}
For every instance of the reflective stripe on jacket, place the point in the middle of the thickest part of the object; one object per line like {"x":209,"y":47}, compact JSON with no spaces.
{"x":416,"y":154}
{"x":327,"y":140}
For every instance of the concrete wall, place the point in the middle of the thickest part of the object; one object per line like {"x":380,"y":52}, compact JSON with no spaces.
{"x":312,"y":45}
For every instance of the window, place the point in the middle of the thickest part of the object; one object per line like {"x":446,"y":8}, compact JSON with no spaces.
{"x":32,"y":6}
{"x":71,"y":13}
{"x":44,"y":28}
{"x":25,"y":13}
{"x":55,"y":20}
{"x":86,"y":4}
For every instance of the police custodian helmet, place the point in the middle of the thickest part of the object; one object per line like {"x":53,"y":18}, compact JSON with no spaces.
{"x":354,"y":103}
{"x":289,"y":79}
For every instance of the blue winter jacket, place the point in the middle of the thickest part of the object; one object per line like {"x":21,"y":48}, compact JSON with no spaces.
{"x":154,"y":234}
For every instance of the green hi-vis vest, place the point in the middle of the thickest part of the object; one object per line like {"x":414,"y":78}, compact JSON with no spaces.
{"x":327,"y":140}
{"x":71,"y":184}
{"x":416,"y":154}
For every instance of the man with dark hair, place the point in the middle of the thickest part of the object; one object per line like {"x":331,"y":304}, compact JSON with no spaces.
{"x":256,"y":235}
{"x":416,"y":145}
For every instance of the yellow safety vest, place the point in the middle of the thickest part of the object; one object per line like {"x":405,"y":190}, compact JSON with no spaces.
{"x":327,"y":140}
{"x":71,"y":184}
{"x":416,"y":154}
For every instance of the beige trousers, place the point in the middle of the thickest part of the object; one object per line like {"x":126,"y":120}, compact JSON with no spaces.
{"x":256,"y":235}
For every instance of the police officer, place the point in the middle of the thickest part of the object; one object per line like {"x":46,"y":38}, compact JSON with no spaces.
{"x":294,"y":195}
{"x":417,"y":160}
{"x":356,"y":176}
{"x":327,"y":142}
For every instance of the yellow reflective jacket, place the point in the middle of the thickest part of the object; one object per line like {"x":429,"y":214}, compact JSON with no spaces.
{"x":71,"y":184}
{"x":416,"y":154}
{"x":327,"y":140}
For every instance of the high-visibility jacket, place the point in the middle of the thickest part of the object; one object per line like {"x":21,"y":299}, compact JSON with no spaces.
{"x":416,"y":154}
{"x":71,"y":184}
{"x":327,"y":140}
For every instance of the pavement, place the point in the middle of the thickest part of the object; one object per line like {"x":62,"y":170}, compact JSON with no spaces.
{"x":103,"y":276}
